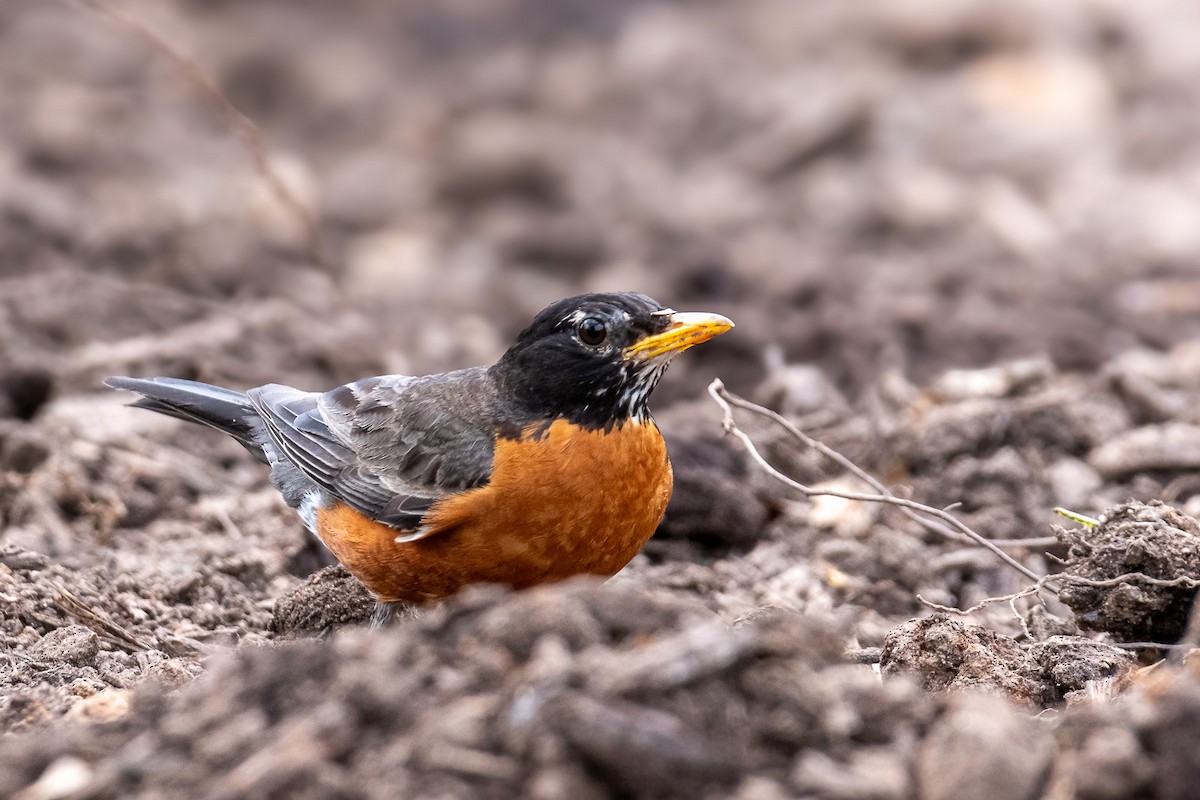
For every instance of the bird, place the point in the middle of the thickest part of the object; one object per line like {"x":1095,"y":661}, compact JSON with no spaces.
{"x":542,"y":466}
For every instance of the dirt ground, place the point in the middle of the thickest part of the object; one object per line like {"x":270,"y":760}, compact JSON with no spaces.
{"x":959,"y":243}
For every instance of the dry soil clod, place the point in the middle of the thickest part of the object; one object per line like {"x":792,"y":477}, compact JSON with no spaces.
{"x":1135,"y":576}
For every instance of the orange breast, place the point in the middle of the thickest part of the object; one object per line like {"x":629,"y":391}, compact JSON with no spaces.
{"x":567,"y":502}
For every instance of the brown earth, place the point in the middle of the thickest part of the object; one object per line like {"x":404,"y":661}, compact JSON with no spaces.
{"x":959,"y":243}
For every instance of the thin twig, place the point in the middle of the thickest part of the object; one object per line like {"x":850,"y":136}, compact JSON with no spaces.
{"x":238,"y":123}
{"x":1033,"y":542}
{"x":1130,"y":577}
{"x":1012,"y":603}
{"x":987,"y":601}
{"x":727,"y":401}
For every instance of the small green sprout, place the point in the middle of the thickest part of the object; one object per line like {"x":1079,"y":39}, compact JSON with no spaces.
{"x":1075,"y":516}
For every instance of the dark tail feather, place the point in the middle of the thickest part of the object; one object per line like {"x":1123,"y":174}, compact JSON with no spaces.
{"x":223,"y":409}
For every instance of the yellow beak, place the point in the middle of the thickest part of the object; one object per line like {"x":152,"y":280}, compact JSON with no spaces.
{"x":687,"y":330}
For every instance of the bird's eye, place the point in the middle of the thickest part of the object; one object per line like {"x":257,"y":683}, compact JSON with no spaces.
{"x":592,"y":331}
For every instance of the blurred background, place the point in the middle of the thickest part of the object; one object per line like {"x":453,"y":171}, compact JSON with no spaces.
{"x":877,"y":192}
{"x":869,"y":186}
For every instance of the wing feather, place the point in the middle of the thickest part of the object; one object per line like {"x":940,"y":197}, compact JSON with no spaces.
{"x":389,"y":446}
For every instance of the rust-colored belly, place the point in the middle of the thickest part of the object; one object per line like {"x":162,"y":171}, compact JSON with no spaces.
{"x":565,"y":503}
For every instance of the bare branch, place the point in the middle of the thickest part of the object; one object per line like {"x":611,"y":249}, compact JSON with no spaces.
{"x":863,"y":475}
{"x":727,"y":401}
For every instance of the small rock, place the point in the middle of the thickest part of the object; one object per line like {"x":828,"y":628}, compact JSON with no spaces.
{"x":328,"y":599}
{"x":999,"y":381}
{"x":847,"y":518}
{"x":944,"y":653}
{"x":73,"y":644}
{"x":1152,"y":539}
{"x":1074,"y":661}
{"x":172,"y":672}
{"x":1147,"y":381}
{"x":945,"y":431}
{"x":105,"y":706}
{"x":1067,"y":418}
{"x":1042,"y":624}
{"x":796,"y":390}
{"x":15,"y":557}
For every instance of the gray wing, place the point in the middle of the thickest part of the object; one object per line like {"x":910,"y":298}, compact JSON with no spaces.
{"x":391,"y":446}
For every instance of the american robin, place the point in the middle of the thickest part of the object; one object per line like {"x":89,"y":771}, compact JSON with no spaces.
{"x":542,"y":466}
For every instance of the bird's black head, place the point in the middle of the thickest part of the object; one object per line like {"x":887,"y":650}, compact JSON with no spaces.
{"x":594,"y":359}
